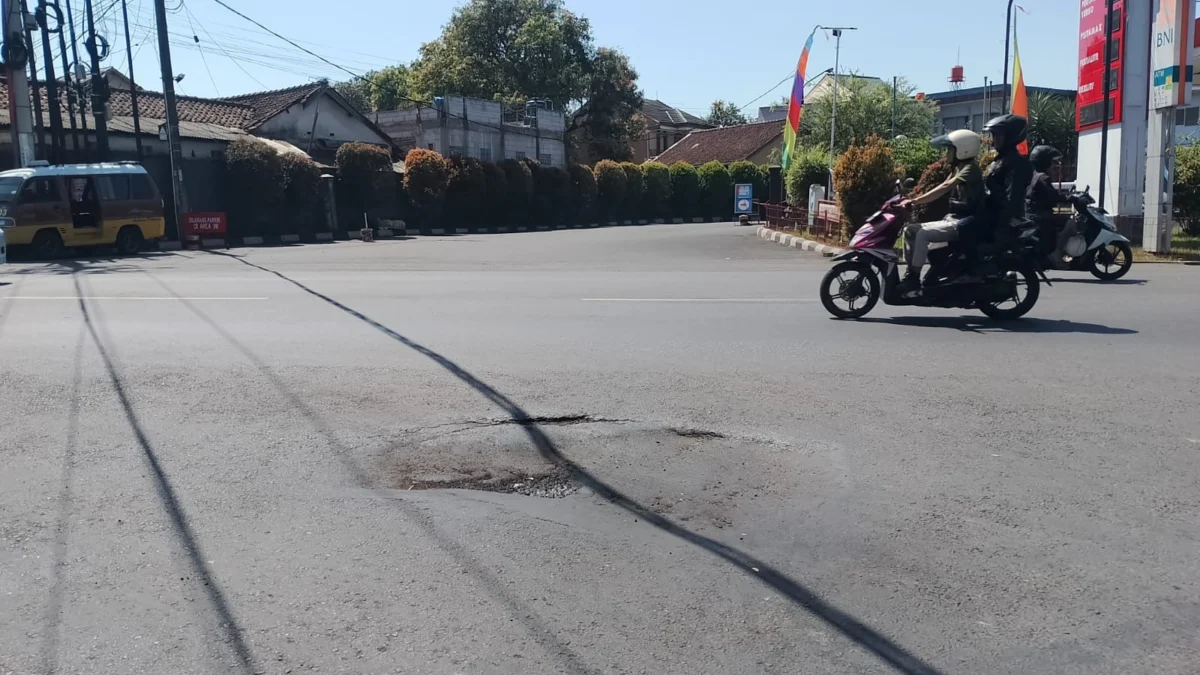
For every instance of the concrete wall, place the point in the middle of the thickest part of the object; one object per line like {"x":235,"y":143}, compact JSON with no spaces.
{"x":335,"y":124}
{"x":482,"y":134}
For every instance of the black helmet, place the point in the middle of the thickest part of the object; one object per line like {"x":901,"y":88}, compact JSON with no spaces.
{"x":1043,"y":156}
{"x":1012,"y":130}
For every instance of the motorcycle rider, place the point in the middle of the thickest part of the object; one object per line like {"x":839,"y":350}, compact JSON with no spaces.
{"x":965,"y":187}
{"x":1042,"y":198}
{"x":1007,"y":180}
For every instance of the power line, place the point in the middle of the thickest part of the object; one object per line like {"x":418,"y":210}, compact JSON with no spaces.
{"x":203,"y":58}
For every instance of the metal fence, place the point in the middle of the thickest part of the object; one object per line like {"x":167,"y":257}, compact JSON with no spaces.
{"x":825,"y":223}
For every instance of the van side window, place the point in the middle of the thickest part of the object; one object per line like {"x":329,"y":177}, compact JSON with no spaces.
{"x":112,"y":188}
{"x":40,"y":191}
{"x":141,"y":187}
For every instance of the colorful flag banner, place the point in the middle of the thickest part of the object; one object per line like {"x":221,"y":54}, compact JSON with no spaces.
{"x":791,"y":128}
{"x":1020,"y":100}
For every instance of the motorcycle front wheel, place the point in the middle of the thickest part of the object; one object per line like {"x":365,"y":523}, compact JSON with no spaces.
{"x":1111,"y":261}
{"x":1026,"y":289}
{"x":850,"y":289}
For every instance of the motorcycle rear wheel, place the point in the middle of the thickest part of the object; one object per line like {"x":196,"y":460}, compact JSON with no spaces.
{"x":853,"y":283}
{"x":1027,"y":278}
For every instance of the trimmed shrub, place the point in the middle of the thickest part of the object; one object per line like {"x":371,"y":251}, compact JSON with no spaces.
{"x":255,"y":189}
{"x":583,"y":193}
{"x":635,"y":188}
{"x":656,"y":190}
{"x":554,"y":195}
{"x":518,"y":199}
{"x":301,"y":183}
{"x":466,"y":191}
{"x":716,"y":188}
{"x":809,"y":167}
{"x":864,"y":178}
{"x":745,"y":172}
{"x":610,"y":189}
{"x":1187,"y":188}
{"x":914,"y":156}
{"x":685,"y":189}
{"x":495,"y":185}
{"x":365,"y":174}
{"x":935,"y":174}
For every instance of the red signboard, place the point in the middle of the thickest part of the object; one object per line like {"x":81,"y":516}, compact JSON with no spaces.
{"x":1089,"y":108}
{"x":199,"y":224}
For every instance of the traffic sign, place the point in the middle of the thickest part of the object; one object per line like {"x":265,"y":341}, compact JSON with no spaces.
{"x":743,"y":198}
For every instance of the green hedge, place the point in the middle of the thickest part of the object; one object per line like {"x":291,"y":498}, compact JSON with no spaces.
{"x":254,"y":188}
{"x":583,"y":193}
{"x":519,"y":194}
{"x":611,"y":184}
{"x":634,"y":190}
{"x":426,"y":177}
{"x":685,"y":190}
{"x":716,"y":187}
{"x":656,"y":194}
{"x":810,"y":167}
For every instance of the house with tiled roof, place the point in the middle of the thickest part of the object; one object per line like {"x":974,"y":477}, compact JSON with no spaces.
{"x":313,"y":118}
{"x":752,"y":142}
{"x":663,"y":125}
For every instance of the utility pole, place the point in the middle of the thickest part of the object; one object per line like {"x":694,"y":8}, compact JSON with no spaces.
{"x":1108,"y":45}
{"x":17,"y":52}
{"x":895,"y":83}
{"x":53,"y":102}
{"x":99,"y":88}
{"x":837,"y":60}
{"x":1007,"y":38}
{"x":168,"y":81}
{"x":137,"y":124}
{"x":76,"y":81}
{"x":72,"y":99}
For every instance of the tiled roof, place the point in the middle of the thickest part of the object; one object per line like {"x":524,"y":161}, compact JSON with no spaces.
{"x":664,"y":114}
{"x":725,"y":145}
{"x":268,"y":104}
{"x":191,"y":109}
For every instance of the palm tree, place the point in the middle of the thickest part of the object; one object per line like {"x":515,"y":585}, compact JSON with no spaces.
{"x":1052,"y":122}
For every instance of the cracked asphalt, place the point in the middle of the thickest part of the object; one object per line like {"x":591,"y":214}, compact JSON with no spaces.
{"x":628,"y":450}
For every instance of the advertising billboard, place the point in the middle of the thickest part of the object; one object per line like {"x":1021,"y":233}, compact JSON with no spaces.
{"x":1089,"y":109}
{"x":1170,"y":54}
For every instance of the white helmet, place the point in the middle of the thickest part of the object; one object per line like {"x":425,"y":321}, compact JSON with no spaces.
{"x":965,"y":144}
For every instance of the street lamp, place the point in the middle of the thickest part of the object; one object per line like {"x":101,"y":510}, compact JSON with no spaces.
{"x":837,"y":56}
{"x":1007,"y":38}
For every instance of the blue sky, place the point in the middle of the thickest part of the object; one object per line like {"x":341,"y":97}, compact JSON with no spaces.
{"x":687,"y":54}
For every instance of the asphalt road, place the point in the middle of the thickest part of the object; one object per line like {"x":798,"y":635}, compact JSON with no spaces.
{"x":286,"y":460}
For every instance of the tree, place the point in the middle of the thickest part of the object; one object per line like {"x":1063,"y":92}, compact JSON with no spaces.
{"x":863,"y":178}
{"x":391,"y":88}
{"x":1052,"y":122}
{"x":864,"y":110}
{"x":608,"y":120}
{"x":357,"y":92}
{"x":509,"y":48}
{"x":725,"y":114}
{"x":1187,"y":187}
{"x":810,"y":167}
{"x":914,"y":155}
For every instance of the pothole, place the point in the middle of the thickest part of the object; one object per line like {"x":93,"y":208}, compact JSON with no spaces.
{"x":697,"y":433}
{"x":551,"y":484}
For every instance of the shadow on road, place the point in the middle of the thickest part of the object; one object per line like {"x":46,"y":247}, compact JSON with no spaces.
{"x":89,"y":266}
{"x":511,"y":602}
{"x":865,"y":636}
{"x":230,"y":631}
{"x":980,"y":324}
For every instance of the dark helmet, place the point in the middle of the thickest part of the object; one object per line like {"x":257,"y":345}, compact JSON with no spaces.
{"x":1011,"y":130}
{"x":1043,"y":156}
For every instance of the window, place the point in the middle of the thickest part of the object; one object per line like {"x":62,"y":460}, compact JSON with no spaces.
{"x":113,"y":188}
{"x":485,"y":154}
{"x":40,"y":191}
{"x":545,"y":159}
{"x":140,"y":187}
{"x":519,"y":154}
{"x":1114,"y":54}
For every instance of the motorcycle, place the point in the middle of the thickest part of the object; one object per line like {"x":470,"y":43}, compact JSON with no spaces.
{"x":869,"y":271}
{"x":1096,"y":247}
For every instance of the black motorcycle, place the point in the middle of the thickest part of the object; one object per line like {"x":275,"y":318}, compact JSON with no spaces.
{"x":1096,"y":246}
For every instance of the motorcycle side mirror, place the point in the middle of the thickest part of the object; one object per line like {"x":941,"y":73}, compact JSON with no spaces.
{"x":1087,"y":189}
{"x":909,"y":183}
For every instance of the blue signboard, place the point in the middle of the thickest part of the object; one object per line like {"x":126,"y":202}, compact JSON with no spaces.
{"x":743,"y":199}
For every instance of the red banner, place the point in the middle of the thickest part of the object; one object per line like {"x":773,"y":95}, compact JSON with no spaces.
{"x":201,"y":224}
{"x":1089,"y":108}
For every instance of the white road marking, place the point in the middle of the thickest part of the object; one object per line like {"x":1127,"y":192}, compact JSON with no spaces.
{"x":751,"y":300}
{"x":118,"y":297}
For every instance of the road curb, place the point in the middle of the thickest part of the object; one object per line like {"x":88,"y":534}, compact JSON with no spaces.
{"x":800,"y":243}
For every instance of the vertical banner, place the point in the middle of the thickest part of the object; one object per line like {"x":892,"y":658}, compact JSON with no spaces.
{"x":791,"y":127}
{"x":1171,"y":54}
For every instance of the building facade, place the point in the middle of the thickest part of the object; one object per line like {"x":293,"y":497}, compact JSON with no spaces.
{"x":971,"y":108}
{"x":485,"y":130}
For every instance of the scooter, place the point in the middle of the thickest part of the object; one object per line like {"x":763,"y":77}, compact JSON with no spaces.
{"x":869,"y":271}
{"x":1095,"y":247}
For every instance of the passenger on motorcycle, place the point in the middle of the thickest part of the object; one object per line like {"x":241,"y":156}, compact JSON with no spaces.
{"x":1042,"y":198}
{"x":965,"y":187}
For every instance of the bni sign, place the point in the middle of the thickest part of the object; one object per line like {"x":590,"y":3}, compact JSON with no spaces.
{"x":1170,"y":54}
{"x":743,"y":199}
